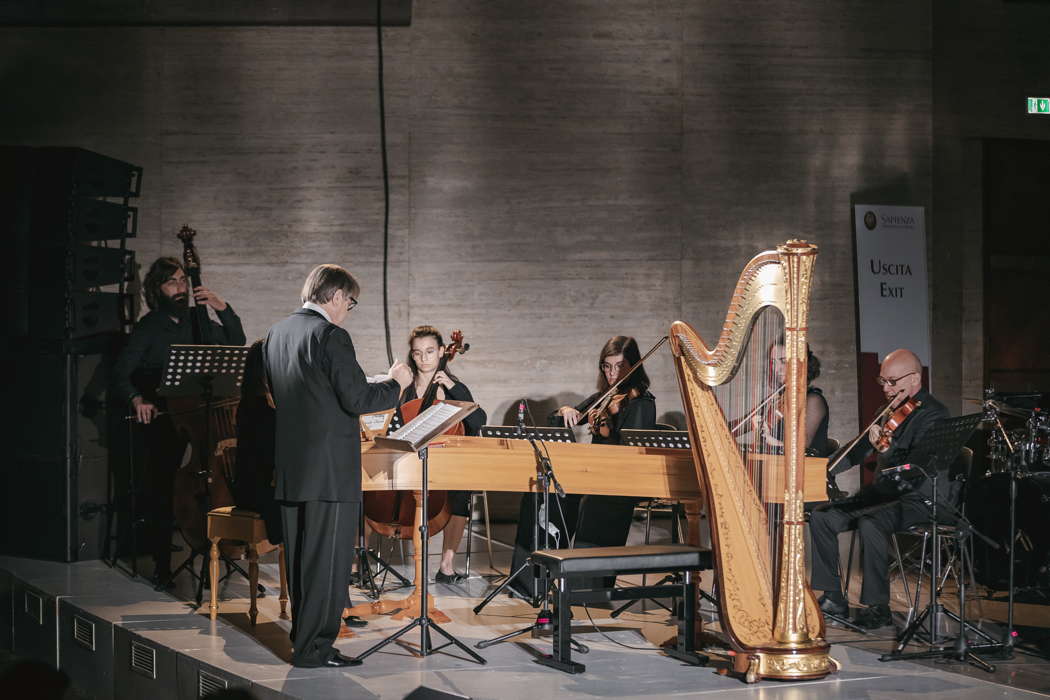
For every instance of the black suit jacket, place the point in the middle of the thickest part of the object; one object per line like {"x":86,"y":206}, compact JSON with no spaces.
{"x":320,"y":391}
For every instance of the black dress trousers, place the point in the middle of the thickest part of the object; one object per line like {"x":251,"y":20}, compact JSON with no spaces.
{"x":319,"y":539}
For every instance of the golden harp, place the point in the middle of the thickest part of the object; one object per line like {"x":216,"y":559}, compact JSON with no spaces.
{"x":754,"y":492}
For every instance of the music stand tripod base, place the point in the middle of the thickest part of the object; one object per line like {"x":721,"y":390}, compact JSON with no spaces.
{"x":415,"y":436}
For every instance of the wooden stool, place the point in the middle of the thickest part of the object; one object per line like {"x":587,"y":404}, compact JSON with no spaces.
{"x":232,"y":523}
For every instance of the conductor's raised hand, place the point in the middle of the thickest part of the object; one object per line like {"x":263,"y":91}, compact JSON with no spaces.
{"x":401,"y":373}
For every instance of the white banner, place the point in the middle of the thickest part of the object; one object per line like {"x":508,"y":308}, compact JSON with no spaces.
{"x":892,"y":284}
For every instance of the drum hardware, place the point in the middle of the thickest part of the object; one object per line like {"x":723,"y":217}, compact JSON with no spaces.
{"x":1022,"y":452}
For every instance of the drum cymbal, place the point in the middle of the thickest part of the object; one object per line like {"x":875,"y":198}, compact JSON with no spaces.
{"x":1008,"y":410}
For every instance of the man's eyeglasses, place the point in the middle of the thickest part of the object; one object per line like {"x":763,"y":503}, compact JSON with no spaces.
{"x":351,"y":304}
{"x":883,"y":381}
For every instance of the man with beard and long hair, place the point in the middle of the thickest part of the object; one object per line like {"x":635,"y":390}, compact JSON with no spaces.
{"x":136,"y":376}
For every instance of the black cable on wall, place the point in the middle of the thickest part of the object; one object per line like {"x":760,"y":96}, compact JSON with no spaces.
{"x":386,"y":185}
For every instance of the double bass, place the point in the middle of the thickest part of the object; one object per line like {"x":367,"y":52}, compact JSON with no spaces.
{"x":392,"y":513}
{"x":208,"y":426}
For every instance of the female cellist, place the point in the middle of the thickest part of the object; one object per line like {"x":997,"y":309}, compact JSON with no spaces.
{"x":426,"y":347}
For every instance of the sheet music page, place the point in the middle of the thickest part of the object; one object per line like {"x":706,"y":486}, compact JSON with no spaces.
{"x":425,"y":422}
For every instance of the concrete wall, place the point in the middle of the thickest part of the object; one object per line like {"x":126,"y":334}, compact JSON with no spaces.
{"x":561,"y":171}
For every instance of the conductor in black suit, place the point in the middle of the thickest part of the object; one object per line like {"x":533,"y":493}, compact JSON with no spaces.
{"x":320,"y":391}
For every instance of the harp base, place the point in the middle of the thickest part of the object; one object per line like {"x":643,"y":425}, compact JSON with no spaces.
{"x":787,"y":664}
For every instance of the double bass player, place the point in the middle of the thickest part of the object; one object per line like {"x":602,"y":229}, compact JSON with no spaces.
{"x":137,"y":374}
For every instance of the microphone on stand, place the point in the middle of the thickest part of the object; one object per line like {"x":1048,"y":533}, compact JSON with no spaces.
{"x":521,"y":418}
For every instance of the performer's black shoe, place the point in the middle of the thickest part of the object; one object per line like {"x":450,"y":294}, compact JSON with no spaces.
{"x":440,"y":577}
{"x":874,"y":617}
{"x":336,"y":660}
{"x":354,"y":621}
{"x":839,"y":608}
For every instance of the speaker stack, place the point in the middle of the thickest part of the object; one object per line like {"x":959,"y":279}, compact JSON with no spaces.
{"x":66,"y":218}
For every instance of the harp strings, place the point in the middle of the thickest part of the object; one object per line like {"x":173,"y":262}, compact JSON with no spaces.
{"x":751,"y":403}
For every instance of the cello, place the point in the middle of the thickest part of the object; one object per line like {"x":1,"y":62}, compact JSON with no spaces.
{"x":392,"y":513}
{"x":208,"y":426}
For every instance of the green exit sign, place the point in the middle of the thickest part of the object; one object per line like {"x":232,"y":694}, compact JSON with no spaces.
{"x":1039,"y":105}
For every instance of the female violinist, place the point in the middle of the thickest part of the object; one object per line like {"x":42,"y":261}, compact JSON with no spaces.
{"x":605,"y":521}
{"x":426,"y":347}
{"x":637,"y":408}
{"x":594,"y":521}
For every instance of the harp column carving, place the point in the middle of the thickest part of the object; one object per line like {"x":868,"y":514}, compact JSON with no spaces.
{"x":792,"y":627}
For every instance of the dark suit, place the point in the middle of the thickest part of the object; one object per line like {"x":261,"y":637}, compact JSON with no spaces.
{"x":320,"y":391}
{"x":874,"y":521}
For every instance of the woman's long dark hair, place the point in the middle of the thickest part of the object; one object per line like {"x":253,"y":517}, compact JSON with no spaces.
{"x":629,"y":347}
{"x":424,"y":331}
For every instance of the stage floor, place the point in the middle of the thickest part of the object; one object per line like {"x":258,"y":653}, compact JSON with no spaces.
{"x":624,"y":662}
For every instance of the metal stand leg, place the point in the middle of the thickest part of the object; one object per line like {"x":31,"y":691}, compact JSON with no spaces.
{"x":424,"y":621}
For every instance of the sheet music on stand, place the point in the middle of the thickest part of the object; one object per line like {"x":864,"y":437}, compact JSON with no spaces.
{"x":667,"y":439}
{"x":188,"y":365}
{"x":426,"y":426}
{"x":510,"y":432}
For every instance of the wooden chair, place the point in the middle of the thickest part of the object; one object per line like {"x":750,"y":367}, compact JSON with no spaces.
{"x":232,"y":523}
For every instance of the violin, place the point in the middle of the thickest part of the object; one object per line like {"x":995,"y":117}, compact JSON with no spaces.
{"x":392,"y":513}
{"x":898,"y":416}
{"x":600,"y":416}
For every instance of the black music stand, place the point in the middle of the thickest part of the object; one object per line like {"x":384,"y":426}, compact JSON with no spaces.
{"x":212,"y":372}
{"x":662,"y":439}
{"x":545,"y":479}
{"x":939,"y":449}
{"x":415,"y":436}
{"x":530,"y":433}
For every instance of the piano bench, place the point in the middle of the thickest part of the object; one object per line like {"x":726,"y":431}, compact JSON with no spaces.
{"x":567,"y":567}
{"x":232,"y":523}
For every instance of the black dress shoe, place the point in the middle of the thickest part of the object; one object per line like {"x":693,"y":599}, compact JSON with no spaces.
{"x":834,"y":607}
{"x":440,"y":577}
{"x":339,"y":661}
{"x":354,"y":621}
{"x":874,"y":617}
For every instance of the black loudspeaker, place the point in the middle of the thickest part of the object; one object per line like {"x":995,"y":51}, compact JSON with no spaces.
{"x":68,"y":310}
{"x":55,"y":473}
{"x":52,"y":205}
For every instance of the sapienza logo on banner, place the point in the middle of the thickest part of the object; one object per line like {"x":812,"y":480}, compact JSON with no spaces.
{"x":892,"y":293}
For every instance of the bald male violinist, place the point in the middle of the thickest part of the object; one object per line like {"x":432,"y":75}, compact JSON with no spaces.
{"x":881,"y":510}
